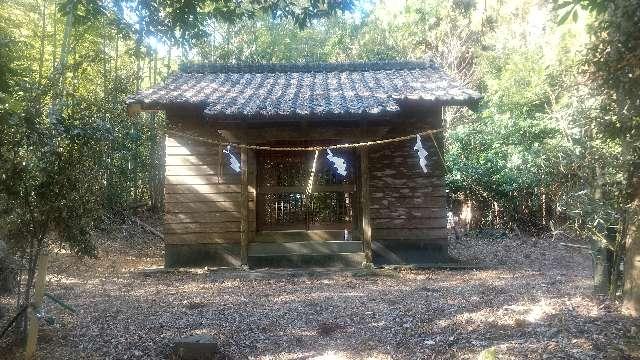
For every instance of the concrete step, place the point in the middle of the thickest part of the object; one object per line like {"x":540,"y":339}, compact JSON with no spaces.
{"x":350,"y":260}
{"x":305,"y":248}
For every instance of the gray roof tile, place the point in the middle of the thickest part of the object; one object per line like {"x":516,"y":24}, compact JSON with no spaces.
{"x":327,"y":89}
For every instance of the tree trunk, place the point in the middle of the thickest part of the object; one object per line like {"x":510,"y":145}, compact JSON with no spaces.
{"x":632,"y":239}
{"x":602,"y":257}
{"x":54,"y":39}
{"x":138,"y":53}
{"x":599,"y":250}
{"x":155,"y":68}
{"x":157,"y":173}
{"x":58,"y":82}
{"x":115,"y":60}
{"x":156,"y":183}
{"x":169,"y":60}
{"x":42,"y":42}
{"x":544,"y":209}
{"x":105,"y":75}
{"x":59,"y":71}
{"x":32,"y":259}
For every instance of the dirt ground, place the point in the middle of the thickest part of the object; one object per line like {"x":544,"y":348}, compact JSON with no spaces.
{"x":530,"y":300}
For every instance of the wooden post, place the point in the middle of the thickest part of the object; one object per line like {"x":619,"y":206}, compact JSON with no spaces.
{"x":221,"y":160}
{"x":32,"y":327}
{"x":364,"y":205}
{"x":244,"y":207}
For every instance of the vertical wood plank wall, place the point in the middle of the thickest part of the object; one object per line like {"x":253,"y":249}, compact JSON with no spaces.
{"x":202,"y":199}
{"x":407,"y":206}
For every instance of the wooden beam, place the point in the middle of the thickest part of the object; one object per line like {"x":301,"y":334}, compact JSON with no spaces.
{"x":299,"y":236}
{"x":244,"y":207}
{"x":346,"y":188}
{"x":321,"y":133}
{"x":364,"y":205}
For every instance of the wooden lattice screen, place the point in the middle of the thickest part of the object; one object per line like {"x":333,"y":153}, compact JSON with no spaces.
{"x":283,"y":200}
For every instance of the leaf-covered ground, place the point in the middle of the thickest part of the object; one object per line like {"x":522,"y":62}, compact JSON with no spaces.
{"x":531,"y":300}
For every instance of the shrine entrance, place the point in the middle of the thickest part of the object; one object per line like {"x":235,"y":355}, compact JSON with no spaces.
{"x":303,"y":195}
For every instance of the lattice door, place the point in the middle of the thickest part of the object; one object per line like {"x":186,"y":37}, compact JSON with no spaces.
{"x":283,"y":201}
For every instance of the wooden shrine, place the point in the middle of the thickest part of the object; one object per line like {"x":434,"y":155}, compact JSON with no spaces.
{"x":282,"y":194}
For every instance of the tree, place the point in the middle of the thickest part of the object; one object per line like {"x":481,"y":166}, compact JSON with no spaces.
{"x":613,"y":66}
{"x":616,"y":68}
{"x":69,"y":155}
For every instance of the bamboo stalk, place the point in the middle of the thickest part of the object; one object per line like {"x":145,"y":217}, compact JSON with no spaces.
{"x":42,"y":41}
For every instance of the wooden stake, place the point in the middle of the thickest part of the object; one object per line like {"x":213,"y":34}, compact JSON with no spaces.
{"x":364,"y":205}
{"x":32,"y":327}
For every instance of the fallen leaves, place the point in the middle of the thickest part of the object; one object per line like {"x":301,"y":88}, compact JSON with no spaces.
{"x":534,"y":306}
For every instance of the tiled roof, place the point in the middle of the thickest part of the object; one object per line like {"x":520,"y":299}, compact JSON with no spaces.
{"x":319,"y":90}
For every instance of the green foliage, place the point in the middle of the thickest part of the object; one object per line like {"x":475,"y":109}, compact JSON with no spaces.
{"x":568,"y":9}
{"x":603,"y":127}
{"x":514,"y":153}
{"x":69,"y":154}
{"x":487,"y":354}
{"x":517,"y":83}
{"x":186,"y":22}
{"x":265,"y":40}
{"x":508,"y":160}
{"x":554,"y":136}
{"x":606,"y":121}
{"x":61,"y":174}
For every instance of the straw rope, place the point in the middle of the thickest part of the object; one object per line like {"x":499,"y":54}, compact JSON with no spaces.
{"x":308,"y":148}
{"x":446,"y":170}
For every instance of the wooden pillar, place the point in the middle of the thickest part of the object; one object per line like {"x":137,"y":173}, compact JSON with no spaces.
{"x":244,"y":207}
{"x":364,"y":205}
{"x":221,"y":159}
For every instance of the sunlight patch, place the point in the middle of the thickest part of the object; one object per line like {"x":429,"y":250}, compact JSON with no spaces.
{"x":330,"y":355}
{"x":538,"y":311}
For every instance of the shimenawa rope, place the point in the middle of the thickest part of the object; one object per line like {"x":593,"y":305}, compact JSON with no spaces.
{"x":308,"y":148}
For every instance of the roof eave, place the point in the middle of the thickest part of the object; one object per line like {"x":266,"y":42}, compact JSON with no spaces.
{"x":135,"y":107}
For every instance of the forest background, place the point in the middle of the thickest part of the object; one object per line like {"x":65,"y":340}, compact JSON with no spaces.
{"x":552,"y":149}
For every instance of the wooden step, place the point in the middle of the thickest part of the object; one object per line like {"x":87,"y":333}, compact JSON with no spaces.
{"x":305,"y":248}
{"x":306,"y":254}
{"x":299,"y":236}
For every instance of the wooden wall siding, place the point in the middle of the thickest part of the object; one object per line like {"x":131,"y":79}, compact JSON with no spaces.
{"x":202,"y":203}
{"x":406,"y":203}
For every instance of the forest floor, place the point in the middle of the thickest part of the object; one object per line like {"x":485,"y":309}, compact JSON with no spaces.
{"x":531,"y":299}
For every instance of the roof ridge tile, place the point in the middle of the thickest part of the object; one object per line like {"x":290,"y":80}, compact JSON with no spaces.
{"x":257,"y":68}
